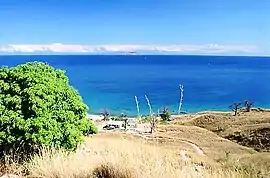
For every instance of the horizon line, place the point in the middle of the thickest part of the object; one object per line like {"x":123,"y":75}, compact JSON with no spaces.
{"x":142,"y":54}
{"x":127,"y":49}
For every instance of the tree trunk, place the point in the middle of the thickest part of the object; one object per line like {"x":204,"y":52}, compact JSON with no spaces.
{"x":235,"y":112}
{"x":125,"y":124}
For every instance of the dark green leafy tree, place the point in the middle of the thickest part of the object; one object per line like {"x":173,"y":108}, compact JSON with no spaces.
{"x":38,"y":107}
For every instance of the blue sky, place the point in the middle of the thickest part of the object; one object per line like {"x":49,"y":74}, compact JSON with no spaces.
{"x":227,"y":23}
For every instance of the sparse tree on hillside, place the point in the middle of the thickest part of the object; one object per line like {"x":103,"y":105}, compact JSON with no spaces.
{"x":124,"y":118}
{"x":248,"y":105}
{"x":105,"y":113}
{"x":122,"y":115}
{"x":235,"y":107}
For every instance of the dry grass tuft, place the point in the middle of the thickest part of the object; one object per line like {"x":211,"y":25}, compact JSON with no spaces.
{"x":111,"y":171}
{"x":10,"y":167}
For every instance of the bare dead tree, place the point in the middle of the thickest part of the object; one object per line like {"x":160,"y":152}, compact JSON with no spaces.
{"x":248,"y":105}
{"x":152,"y":117}
{"x":105,"y":113}
{"x":235,"y":107}
{"x":153,"y":123}
{"x":124,"y":118}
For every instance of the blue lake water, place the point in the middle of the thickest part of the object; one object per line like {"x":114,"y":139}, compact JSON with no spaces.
{"x":210,"y":82}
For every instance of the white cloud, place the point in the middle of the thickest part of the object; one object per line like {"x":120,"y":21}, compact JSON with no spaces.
{"x":180,"y":49}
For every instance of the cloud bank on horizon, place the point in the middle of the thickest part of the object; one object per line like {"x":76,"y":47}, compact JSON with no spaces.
{"x":88,"y":49}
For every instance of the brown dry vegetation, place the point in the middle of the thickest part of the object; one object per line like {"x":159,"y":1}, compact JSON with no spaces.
{"x":250,"y":129}
{"x":120,"y":155}
{"x":213,"y":145}
{"x":116,"y":156}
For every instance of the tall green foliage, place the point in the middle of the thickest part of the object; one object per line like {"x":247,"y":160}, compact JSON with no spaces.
{"x":38,"y":107}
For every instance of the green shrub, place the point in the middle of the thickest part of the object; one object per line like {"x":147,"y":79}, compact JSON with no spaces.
{"x":165,"y":115}
{"x":38,"y":107}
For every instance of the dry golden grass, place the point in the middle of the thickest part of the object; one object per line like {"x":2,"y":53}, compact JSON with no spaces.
{"x":213,"y":145}
{"x":11,"y":168}
{"x":116,"y":157}
{"x":247,"y":128}
{"x":215,"y":121}
{"x":261,"y":160}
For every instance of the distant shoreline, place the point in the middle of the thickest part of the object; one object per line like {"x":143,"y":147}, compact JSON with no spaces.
{"x":258,"y":109}
{"x":183,"y":112}
{"x":98,"y":115}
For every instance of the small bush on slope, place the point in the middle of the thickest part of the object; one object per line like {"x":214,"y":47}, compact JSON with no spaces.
{"x":165,"y":115}
{"x":38,"y":107}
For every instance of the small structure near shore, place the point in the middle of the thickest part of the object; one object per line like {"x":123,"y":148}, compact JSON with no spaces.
{"x":113,"y":125}
{"x":94,"y":117}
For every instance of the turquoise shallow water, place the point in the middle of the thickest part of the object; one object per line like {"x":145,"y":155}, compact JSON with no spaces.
{"x":210,"y":82}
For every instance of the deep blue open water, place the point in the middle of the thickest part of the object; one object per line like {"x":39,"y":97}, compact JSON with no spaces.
{"x":210,"y":82}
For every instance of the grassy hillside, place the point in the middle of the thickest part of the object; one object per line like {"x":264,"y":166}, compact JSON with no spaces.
{"x":125,"y":156}
{"x":250,"y":129}
{"x":193,"y":146}
{"x":213,"y":145}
